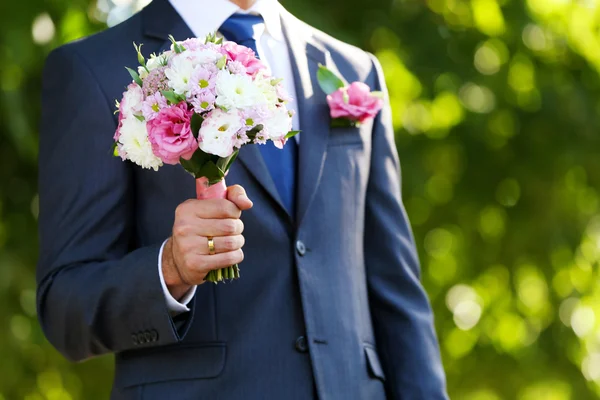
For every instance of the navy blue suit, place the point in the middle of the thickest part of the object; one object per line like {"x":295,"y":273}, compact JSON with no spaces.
{"x":329,"y":304}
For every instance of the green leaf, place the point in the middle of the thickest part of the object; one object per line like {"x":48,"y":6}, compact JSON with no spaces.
{"x":176,"y":47}
{"x":343,"y":123}
{"x":291,"y":134}
{"x":252,"y":132}
{"x":115,"y":149}
{"x":221,"y":63}
{"x":213,"y":173}
{"x":328,"y":80}
{"x":171,"y":96}
{"x":224,"y":163}
{"x":195,"y":124}
{"x":135,"y":76}
{"x":140,"y":117}
{"x":231,"y":160}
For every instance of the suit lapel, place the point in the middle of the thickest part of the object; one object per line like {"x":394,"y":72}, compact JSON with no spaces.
{"x":312,"y":109}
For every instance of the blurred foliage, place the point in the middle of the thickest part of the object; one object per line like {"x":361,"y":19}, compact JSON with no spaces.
{"x":496,"y":109}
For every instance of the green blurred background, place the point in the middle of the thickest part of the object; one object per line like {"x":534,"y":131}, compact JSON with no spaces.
{"x":497,"y":112}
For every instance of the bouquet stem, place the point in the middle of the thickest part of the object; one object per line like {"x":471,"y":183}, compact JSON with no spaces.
{"x":204,"y":190}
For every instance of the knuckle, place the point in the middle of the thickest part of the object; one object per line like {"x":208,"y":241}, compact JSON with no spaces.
{"x":181,"y":230}
{"x":228,"y":226}
{"x":229,"y":242}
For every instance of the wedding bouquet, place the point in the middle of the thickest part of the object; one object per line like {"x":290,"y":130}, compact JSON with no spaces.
{"x":196,"y":105}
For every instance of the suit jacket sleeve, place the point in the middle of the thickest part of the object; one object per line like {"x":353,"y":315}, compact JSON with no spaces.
{"x":94,"y":295}
{"x":402,"y":316}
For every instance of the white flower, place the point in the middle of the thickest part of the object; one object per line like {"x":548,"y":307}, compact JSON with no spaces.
{"x":203,"y":56}
{"x":237,"y":91}
{"x":156,"y":61}
{"x":266,"y":87}
{"x":132,"y":100}
{"x":278,"y":123}
{"x":142,"y":72}
{"x":219,"y":132}
{"x":179,"y":73}
{"x":134,"y":142}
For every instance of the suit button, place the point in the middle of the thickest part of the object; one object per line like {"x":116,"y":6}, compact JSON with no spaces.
{"x":300,"y":248}
{"x":301,"y":344}
{"x":148,"y":337}
{"x":154,"y":335}
{"x":141,"y":338}
{"x":134,"y":339}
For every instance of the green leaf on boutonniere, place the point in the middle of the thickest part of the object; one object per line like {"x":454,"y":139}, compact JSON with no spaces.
{"x":291,"y":134}
{"x":140,"y":118}
{"x":195,"y":124}
{"x":173,"y":97}
{"x":328,"y":80}
{"x":135,"y":76}
{"x":343,"y":123}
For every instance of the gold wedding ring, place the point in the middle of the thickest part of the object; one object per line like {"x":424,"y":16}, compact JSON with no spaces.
{"x":211,"y":246}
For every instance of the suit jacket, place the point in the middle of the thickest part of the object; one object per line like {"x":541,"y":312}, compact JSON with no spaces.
{"x":329,"y":301}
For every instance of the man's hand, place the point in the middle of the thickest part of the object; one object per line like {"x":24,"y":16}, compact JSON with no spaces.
{"x":185,"y":258}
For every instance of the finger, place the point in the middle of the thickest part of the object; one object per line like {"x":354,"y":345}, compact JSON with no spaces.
{"x":223,"y":244}
{"x":193,"y":227}
{"x":238,"y":196}
{"x":210,"y":208}
{"x":222,"y":260}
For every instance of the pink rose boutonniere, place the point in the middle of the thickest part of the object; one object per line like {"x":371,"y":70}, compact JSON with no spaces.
{"x":349,"y":105}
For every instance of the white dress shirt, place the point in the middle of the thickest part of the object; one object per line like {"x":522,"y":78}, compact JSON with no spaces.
{"x":206,"y":16}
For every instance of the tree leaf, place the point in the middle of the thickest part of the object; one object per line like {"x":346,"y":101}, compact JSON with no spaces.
{"x":195,"y":124}
{"x":134,"y":75}
{"x":328,"y":80}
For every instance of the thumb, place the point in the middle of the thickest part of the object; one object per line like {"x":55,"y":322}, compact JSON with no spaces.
{"x":237,"y":195}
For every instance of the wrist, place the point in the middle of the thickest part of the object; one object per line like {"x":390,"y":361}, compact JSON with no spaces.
{"x":175,"y":284}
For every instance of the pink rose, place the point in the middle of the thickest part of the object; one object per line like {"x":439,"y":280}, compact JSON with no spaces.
{"x":170,"y":134}
{"x":244,"y":55}
{"x":354,"y":102}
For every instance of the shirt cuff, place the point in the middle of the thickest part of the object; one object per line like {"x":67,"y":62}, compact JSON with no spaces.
{"x":175,"y":307}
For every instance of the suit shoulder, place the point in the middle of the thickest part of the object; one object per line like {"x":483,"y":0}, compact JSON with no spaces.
{"x":345,"y":55}
{"x":106,"y":48}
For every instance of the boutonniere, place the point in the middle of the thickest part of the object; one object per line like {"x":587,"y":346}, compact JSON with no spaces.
{"x":349,"y":105}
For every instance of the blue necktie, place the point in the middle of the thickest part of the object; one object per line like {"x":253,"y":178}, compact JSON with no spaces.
{"x":281,"y":163}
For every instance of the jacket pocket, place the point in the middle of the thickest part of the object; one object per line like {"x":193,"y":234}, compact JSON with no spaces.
{"x":374,"y":365}
{"x":345,"y":136}
{"x":192,"y":361}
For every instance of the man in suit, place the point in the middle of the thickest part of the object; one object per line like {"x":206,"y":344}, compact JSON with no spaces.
{"x":329,"y":304}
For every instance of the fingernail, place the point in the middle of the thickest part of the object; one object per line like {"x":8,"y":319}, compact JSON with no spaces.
{"x":241,"y":198}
